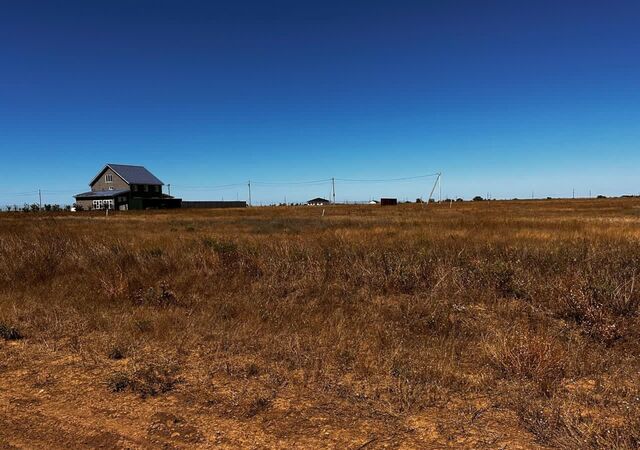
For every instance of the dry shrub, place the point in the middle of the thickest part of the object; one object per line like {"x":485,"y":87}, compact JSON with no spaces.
{"x":118,"y":350}
{"x":561,"y":424}
{"x":412,"y":394}
{"x":510,"y":279}
{"x":227,"y":250}
{"x":257,"y":405}
{"x":434,"y":316}
{"x":233,"y":259}
{"x":522,"y":355}
{"x":9,"y":333}
{"x":161,"y":297}
{"x":116,"y":353}
{"x":147,"y":379}
{"x":581,"y":306}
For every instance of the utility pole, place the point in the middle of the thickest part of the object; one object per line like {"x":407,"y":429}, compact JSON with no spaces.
{"x":249,"y":185}
{"x":169,"y":187}
{"x":40,"y":199}
{"x":433,"y":189}
{"x":574,"y":193}
{"x":333,"y":189}
{"x":440,"y":187}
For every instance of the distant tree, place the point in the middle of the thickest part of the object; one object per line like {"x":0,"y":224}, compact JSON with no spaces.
{"x":47,"y":207}
{"x":67,"y":207}
{"x":459,"y":199}
{"x":78,"y":207}
{"x":56,"y":208}
{"x":34,"y":207}
{"x":8,"y":207}
{"x":477,"y":198}
{"x":602,"y":196}
{"x":419,"y":200}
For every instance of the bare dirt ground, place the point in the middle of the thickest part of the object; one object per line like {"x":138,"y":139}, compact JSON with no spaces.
{"x":53,"y":401}
{"x":489,"y":325}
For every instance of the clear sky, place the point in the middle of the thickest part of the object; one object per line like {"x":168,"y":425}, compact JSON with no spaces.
{"x":506,"y":97}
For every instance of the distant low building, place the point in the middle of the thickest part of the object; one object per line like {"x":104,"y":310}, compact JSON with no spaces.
{"x":373,"y":202}
{"x":388,"y":201}
{"x":318,"y":201}
{"x":123,"y":187}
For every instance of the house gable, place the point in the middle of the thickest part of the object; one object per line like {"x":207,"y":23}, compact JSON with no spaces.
{"x":108,"y":180}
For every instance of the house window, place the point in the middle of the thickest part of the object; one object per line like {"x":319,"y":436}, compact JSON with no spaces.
{"x":146,"y":188}
{"x":134,"y":188}
{"x":111,"y":188}
{"x":157,"y":189}
{"x":108,"y":178}
{"x":103,"y":204}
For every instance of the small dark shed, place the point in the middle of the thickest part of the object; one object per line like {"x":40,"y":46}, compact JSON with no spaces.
{"x":388,"y":201}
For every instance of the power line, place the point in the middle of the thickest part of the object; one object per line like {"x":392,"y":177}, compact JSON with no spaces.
{"x":388,"y":179}
{"x":289,"y":183}
{"x":19,"y":193}
{"x":209,"y":188}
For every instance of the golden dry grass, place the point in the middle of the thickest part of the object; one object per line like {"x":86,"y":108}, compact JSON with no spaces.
{"x":482,"y":325}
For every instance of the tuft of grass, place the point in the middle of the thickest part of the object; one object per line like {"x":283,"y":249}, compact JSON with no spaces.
{"x":161,"y":296}
{"x":555,"y":424}
{"x":116,"y":353}
{"x":258,"y":405}
{"x":9,"y":333}
{"x":523,"y":355}
{"x":591,"y":315}
{"x":147,"y":380}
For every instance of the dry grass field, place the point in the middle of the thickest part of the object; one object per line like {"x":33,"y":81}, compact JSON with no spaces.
{"x":483,"y":325}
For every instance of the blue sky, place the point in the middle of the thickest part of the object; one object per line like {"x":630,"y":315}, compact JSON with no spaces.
{"x":506,"y":97}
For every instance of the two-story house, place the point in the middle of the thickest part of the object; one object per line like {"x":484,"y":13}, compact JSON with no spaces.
{"x":120,"y":186}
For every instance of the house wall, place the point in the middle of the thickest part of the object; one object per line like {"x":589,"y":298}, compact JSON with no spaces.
{"x":120,"y":202}
{"x":85,"y":204}
{"x":154,"y":203}
{"x":102,"y":185}
{"x":153,"y":190}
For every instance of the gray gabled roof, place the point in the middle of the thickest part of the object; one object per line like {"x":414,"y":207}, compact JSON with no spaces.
{"x":101,"y":194}
{"x":130,"y":174}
